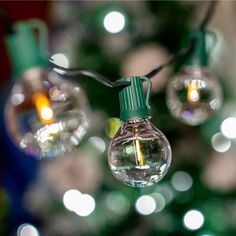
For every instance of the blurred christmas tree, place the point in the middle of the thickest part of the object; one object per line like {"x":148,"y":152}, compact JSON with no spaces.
{"x":197,"y":197}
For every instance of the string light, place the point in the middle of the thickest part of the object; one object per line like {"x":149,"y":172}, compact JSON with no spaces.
{"x":129,"y":150}
{"x":139,"y":155}
{"x":47,"y":113}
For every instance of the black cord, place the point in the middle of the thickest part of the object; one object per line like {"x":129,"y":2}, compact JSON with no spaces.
{"x":183,"y":51}
{"x":209,"y":14}
{"x":188,"y":49}
{"x":72,"y":72}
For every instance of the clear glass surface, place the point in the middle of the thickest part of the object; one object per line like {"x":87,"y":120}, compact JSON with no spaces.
{"x":139,"y":155}
{"x":46,"y":115}
{"x":193,"y":95}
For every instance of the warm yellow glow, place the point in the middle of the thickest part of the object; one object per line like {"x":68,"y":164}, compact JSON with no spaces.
{"x":43,"y":108}
{"x":139,"y":155}
{"x":193,"y":91}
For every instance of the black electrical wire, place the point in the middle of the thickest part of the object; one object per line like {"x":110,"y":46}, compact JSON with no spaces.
{"x":190,"y":47}
{"x":209,"y":14}
{"x":181,"y":52}
{"x":71,"y":72}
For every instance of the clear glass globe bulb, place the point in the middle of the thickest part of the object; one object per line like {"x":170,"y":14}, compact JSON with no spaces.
{"x":139,"y":155}
{"x":46,"y":115}
{"x":193,"y":95}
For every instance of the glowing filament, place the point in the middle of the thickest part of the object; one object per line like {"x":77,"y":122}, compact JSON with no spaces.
{"x":193,"y":91}
{"x":138,"y":152}
{"x":43,"y":108}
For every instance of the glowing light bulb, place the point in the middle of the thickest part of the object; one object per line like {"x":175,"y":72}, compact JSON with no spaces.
{"x":45,"y":115}
{"x":139,"y":154}
{"x":193,"y":95}
{"x":50,"y":113}
{"x":193,"y":91}
{"x":43,"y":108}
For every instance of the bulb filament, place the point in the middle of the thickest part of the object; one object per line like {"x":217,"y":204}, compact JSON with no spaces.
{"x":138,"y":153}
{"x":43,"y":108}
{"x":193,"y":91}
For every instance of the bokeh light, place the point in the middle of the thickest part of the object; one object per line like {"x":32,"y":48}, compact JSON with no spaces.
{"x":117,"y":203}
{"x":181,"y":181}
{"x":160,"y":201}
{"x":70,"y":199}
{"x":98,"y":143}
{"x":193,"y":220}
{"x":27,"y":230}
{"x":114,"y":22}
{"x":81,"y":204}
{"x":166,"y":191}
{"x":85,"y":206}
{"x":228,"y":127}
{"x":145,"y":205}
{"x":60,"y":60}
{"x":220,"y":143}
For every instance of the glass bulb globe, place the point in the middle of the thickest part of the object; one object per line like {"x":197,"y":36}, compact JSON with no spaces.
{"x":46,"y":115}
{"x":139,"y":155}
{"x":193,"y":95}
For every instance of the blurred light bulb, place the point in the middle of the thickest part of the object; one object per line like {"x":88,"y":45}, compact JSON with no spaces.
{"x":139,"y":155}
{"x":193,"y":95}
{"x":114,"y":22}
{"x":46,"y":114}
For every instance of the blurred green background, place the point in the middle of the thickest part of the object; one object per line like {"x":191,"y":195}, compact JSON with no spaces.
{"x":198,"y":195}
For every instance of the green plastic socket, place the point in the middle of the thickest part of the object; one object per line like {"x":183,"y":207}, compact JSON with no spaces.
{"x":25,"y":49}
{"x":133,"y":102}
{"x":199,"y":55}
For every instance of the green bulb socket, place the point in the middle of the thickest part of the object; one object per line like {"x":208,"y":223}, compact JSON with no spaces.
{"x":199,"y":54}
{"x":26,"y":48}
{"x":133,"y":102}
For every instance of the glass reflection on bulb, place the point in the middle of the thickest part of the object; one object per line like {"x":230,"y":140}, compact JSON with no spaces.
{"x":47,"y":114}
{"x":139,"y":155}
{"x":193,"y":95}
